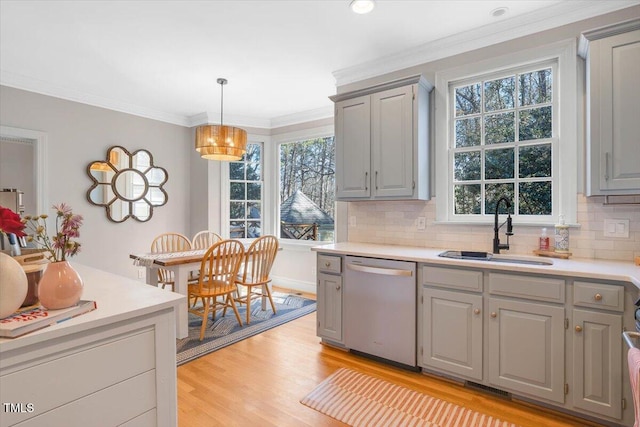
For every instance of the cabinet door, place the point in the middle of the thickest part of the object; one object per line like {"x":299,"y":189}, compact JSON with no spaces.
{"x":615,"y":102}
{"x":597,"y":362}
{"x":526,"y":348}
{"x":353,"y":148}
{"x":329,"y":308}
{"x":392,"y":137}
{"x":452,"y":332}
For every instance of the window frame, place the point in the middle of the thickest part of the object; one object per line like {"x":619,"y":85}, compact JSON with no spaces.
{"x":286,"y":138}
{"x":564,"y":138}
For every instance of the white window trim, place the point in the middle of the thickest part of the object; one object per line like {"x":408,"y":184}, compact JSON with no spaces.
{"x":274,"y":149}
{"x":566,"y":163}
{"x":267,"y":220}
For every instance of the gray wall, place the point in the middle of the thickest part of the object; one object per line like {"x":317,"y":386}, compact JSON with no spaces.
{"x":79,"y":134}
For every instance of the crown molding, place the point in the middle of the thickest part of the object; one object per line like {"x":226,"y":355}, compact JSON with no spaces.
{"x":286,"y":120}
{"x":541,"y":20}
{"x":302,"y":117}
{"x":30,"y":84}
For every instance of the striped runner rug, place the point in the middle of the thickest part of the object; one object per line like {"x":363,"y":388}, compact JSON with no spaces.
{"x":363,"y":401}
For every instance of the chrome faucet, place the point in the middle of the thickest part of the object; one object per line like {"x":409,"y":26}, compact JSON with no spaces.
{"x":496,"y":239}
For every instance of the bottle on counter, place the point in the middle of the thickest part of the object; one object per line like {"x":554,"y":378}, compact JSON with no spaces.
{"x":544,"y":240}
{"x":562,"y":236}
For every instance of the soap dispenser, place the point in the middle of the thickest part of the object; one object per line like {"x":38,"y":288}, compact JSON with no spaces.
{"x":562,"y":236}
{"x":544,"y":241}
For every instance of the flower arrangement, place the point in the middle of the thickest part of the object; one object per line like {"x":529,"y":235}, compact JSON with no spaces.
{"x":61,"y":245}
{"x":11,"y":223}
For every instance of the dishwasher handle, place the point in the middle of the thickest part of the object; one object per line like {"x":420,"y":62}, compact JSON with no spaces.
{"x":380,"y":270}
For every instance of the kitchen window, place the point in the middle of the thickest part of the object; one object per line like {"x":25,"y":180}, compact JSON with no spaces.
{"x":245,"y":194}
{"x":307,"y":189}
{"x":510,"y":131}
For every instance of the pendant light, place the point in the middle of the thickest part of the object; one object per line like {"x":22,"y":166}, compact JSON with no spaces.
{"x":220,"y":142}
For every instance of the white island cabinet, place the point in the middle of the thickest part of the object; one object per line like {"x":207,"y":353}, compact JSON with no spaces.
{"x":114,"y":366}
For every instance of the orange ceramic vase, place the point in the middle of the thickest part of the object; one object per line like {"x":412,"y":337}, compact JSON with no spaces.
{"x":60,"y":286}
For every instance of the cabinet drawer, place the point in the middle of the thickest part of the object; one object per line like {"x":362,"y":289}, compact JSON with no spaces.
{"x":84,"y":372}
{"x":598,"y":295}
{"x":531,"y":287}
{"x":452,"y":278}
{"x":329,"y":264}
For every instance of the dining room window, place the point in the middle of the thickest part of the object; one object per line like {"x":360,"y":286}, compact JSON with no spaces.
{"x":246,"y":185}
{"x":307,"y":189}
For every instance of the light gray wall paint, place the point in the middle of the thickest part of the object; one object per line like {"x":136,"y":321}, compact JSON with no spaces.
{"x":79,"y":134}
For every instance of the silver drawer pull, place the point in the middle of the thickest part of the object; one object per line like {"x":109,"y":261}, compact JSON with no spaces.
{"x":380,"y":270}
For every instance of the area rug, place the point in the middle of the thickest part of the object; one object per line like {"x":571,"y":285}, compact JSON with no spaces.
{"x":363,"y":401}
{"x":225,"y":330}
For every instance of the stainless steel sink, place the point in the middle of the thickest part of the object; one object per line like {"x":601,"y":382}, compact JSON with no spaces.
{"x":488,"y":256}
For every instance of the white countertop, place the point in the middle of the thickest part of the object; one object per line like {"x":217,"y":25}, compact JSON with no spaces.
{"x":118,"y":299}
{"x":576,"y":268}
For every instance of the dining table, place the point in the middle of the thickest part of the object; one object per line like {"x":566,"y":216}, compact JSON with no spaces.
{"x":181,"y":264}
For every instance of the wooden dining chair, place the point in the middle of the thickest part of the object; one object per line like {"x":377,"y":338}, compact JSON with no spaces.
{"x":169,"y":242}
{"x":205,"y":239}
{"x":218,"y":271}
{"x":254,"y":275}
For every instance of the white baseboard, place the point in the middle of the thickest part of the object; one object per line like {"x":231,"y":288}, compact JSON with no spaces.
{"x":298,"y":285}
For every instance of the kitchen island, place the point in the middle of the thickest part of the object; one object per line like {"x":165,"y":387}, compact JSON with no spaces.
{"x":549,"y":334}
{"x":115,"y":365}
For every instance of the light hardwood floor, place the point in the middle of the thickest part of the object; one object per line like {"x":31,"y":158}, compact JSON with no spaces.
{"x":259,"y":382}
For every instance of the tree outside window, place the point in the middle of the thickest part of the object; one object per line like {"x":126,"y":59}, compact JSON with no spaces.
{"x":502,"y":143}
{"x":245,"y":194}
{"x":307,"y":189}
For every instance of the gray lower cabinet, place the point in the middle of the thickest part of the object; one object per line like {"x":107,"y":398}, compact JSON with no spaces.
{"x":452,"y":332}
{"x":597,"y":348}
{"x":329,"y":298}
{"x":526,"y":348}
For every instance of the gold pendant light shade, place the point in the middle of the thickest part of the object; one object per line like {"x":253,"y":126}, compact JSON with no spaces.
{"x":220,"y":142}
{"x":217,"y":142}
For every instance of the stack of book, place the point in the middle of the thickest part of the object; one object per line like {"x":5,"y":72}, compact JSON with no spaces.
{"x":29,"y":319}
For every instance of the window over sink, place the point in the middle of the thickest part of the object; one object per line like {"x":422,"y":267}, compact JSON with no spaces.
{"x":510,"y":131}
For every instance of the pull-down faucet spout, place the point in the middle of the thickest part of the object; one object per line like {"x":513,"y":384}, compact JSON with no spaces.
{"x":496,"y":238}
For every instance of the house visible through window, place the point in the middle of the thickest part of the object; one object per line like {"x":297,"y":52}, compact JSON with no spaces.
{"x":245,"y":194}
{"x":503,"y":141}
{"x":307,"y":189}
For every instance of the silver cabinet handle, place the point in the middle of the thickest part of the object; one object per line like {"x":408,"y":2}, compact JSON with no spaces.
{"x":380,"y":270}
{"x":366,"y":180}
{"x":376,"y":180}
{"x":606,"y":166}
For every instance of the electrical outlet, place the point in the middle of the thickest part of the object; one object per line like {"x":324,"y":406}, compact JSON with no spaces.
{"x":422,"y":223}
{"x":352,"y":221}
{"x":616,"y":228}
{"x":141,"y":273}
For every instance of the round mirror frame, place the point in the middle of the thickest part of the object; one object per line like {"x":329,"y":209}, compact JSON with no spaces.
{"x":119,"y":202}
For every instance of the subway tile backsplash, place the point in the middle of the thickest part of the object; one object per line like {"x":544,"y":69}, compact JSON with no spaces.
{"x":395,"y":223}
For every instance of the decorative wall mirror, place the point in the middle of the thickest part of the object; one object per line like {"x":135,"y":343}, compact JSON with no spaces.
{"x":127,"y":184}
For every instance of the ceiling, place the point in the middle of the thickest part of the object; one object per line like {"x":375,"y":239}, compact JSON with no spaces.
{"x":161,"y":59}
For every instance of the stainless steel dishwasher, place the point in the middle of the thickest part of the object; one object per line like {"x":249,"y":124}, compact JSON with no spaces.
{"x":380,"y":308}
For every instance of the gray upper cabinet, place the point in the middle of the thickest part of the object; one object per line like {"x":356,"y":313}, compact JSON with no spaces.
{"x":382,"y":142}
{"x":613,"y":101}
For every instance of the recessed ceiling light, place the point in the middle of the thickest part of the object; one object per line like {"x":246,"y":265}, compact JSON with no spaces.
{"x":362,"y":6}
{"x":499,"y":11}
